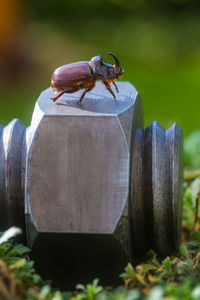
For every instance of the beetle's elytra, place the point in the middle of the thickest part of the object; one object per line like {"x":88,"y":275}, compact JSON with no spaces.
{"x":84,"y":74}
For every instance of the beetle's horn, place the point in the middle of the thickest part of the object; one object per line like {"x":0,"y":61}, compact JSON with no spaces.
{"x":117,"y":63}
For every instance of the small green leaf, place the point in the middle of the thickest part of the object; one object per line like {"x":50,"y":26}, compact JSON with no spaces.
{"x":123,"y":275}
{"x":141,"y":279}
{"x":19,"y":249}
{"x":57,"y":296}
{"x":19,"y":264}
{"x":184,"y":251}
{"x":154,"y":279}
{"x":155,"y":262}
{"x":168,"y":267}
{"x":130,"y":271}
{"x":151,"y":253}
{"x":80,"y":287}
{"x":149,"y":267}
{"x":44,"y":292}
{"x":167,"y":263}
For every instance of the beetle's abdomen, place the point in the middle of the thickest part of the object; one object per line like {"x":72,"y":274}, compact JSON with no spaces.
{"x":72,"y":74}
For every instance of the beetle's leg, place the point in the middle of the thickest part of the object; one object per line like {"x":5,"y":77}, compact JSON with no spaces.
{"x":107,"y":85}
{"x":89,"y":88}
{"x":58,"y":96}
{"x":82,"y":96}
{"x":115,"y":86}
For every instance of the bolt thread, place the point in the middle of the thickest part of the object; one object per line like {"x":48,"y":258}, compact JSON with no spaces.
{"x":12,"y":174}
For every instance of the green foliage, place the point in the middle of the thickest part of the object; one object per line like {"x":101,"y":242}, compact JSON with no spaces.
{"x":184,"y":251}
{"x":88,"y":292}
{"x":18,"y":278}
{"x":164,"y":64}
{"x":188,"y":207}
{"x":176,"y":277}
{"x":23,"y":269}
{"x":173,"y":278}
{"x":129,"y":272}
{"x":192,"y":150}
{"x":120,"y":294}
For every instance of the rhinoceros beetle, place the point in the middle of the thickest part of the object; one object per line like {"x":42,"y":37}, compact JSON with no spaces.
{"x":84,"y":74}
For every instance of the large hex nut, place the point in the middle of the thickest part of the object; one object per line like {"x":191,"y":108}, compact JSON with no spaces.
{"x":77,"y":180}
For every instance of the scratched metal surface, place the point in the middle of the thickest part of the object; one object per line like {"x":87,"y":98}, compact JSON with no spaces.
{"x":79,"y":155}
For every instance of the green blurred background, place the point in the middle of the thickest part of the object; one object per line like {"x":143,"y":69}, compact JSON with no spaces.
{"x":157,"y":42}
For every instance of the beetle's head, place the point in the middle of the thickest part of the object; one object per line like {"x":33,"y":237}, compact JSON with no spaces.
{"x":103,"y":70}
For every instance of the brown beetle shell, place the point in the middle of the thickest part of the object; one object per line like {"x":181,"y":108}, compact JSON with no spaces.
{"x":72,"y":76}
